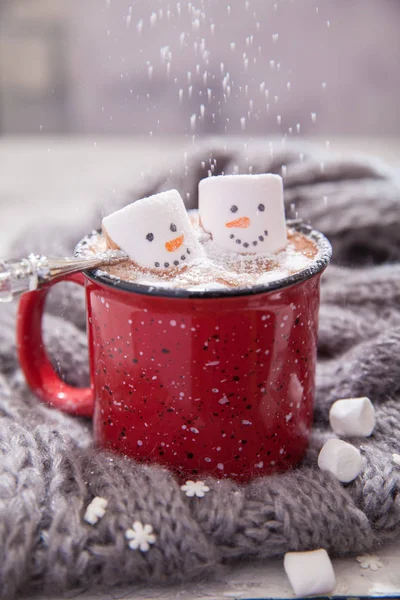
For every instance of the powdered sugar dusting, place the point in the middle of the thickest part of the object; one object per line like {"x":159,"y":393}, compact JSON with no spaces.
{"x":216,"y":269}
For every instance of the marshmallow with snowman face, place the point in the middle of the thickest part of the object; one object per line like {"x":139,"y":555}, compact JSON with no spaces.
{"x":244,"y":213}
{"x":155,"y":232}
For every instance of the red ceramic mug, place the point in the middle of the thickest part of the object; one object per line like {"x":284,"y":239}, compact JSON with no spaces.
{"x":218,"y":382}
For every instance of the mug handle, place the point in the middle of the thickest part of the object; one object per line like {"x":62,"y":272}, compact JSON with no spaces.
{"x":35,"y":363}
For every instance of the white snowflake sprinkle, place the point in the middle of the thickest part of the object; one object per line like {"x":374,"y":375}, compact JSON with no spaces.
{"x":95,"y":510}
{"x":140,"y":536}
{"x":370,"y":561}
{"x":195,"y":488}
{"x":396,"y":459}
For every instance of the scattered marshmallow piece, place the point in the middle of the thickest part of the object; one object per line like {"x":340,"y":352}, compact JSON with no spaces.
{"x":95,"y":510}
{"x":244,"y":213}
{"x":396,"y":459}
{"x":341,"y":459}
{"x":310,"y":573}
{"x":352,"y":417}
{"x":156,"y":232}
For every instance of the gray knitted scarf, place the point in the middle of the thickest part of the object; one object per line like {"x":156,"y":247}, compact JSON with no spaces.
{"x":49,"y":471}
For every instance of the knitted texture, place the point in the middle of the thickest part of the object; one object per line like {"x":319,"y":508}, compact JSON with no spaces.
{"x":49,"y":471}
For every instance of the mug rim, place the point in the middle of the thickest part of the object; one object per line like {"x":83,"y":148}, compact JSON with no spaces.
{"x":318,"y":265}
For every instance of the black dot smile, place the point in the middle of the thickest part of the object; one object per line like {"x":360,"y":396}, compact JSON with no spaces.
{"x":261,"y":238}
{"x":176,"y":262}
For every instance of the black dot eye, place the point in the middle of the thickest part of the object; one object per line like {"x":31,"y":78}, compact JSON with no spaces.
{"x":150,"y":237}
{"x":234,"y":208}
{"x":173,"y":227}
{"x":261,"y":207}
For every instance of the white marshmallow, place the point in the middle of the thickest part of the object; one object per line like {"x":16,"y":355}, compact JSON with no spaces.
{"x":341,"y":459}
{"x":352,"y":417}
{"x":244,"y":213}
{"x":155,"y":232}
{"x":310,"y":573}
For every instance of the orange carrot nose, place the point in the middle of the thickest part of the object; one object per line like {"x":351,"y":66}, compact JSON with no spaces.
{"x":243,"y":222}
{"x":174,"y":244}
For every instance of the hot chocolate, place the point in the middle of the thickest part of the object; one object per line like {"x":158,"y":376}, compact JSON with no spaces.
{"x":238,"y":238}
{"x":216,"y":268}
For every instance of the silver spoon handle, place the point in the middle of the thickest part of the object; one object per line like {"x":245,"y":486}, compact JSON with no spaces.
{"x":33,"y":272}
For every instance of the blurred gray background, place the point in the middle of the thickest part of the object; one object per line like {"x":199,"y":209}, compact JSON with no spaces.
{"x":151,"y":67}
